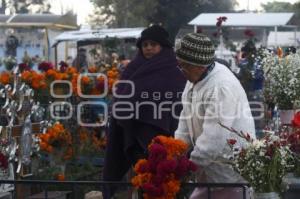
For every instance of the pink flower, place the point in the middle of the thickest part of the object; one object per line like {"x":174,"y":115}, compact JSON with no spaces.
{"x":231,"y":142}
{"x":157,"y":152}
{"x":24,"y":66}
{"x":166,"y":167}
{"x":220,"y":20}
{"x":184,"y":166}
{"x":153,"y":190}
{"x":63,"y":66}
{"x":45,"y":66}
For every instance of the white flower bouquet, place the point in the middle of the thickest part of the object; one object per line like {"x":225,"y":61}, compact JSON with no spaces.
{"x":282,"y":75}
{"x":9,"y":62}
{"x":263,"y":163}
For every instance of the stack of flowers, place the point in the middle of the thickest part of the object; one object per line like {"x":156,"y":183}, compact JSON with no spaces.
{"x":86,"y":84}
{"x":57,"y":141}
{"x":94,"y":85}
{"x":45,"y":66}
{"x":160,"y":175}
{"x":34,"y":79}
{"x":90,"y":141}
{"x":293,"y":140}
{"x":40,"y":82}
{"x":263,"y":163}
{"x":282,"y":79}
{"x":112,"y":76}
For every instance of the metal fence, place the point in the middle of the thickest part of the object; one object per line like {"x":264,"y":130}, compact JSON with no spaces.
{"x":71,"y":188}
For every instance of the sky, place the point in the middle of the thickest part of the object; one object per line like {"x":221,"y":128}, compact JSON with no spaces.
{"x":255,"y":4}
{"x":83,"y":7}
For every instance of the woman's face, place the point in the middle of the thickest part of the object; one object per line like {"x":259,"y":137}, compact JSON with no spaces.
{"x":150,"y":48}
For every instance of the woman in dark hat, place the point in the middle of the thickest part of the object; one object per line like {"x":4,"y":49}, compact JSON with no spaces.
{"x":145,"y":108}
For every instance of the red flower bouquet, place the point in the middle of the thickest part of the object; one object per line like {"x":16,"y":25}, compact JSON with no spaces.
{"x":159,"y":176}
{"x":45,"y":66}
{"x":296,"y":120}
{"x":293,"y":140}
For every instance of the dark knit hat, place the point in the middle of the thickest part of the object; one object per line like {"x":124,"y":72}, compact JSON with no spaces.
{"x":196,"y":49}
{"x":155,"y":33}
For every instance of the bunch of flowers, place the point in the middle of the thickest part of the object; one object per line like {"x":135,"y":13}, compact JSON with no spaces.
{"x":112,"y":75}
{"x":45,"y":66}
{"x":34,"y":79}
{"x":63,"y":66}
{"x":57,"y":142}
{"x":24,"y":66}
{"x":9,"y":62}
{"x":95,"y":84}
{"x":86,"y":84}
{"x":160,"y":175}
{"x":282,"y":79}
{"x":6,"y":78}
{"x":26,"y":61}
{"x":293,"y":140}
{"x":263,"y":163}
{"x":90,"y":141}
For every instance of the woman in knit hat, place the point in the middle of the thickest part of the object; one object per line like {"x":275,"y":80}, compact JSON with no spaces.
{"x":136,"y":115}
{"x":212,"y":95}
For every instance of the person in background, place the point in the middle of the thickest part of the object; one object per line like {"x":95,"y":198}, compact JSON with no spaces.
{"x":123,"y":62}
{"x":290,"y":50}
{"x":114,"y":59}
{"x":134,"y":121}
{"x":246,"y":65}
{"x":80,"y":62}
{"x":69,"y":60}
{"x":212,"y":95}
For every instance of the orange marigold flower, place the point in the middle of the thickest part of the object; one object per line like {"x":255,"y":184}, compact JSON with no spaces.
{"x":26,"y":75}
{"x":43,"y":146}
{"x":85,"y":79}
{"x":60,"y":177}
{"x":83,"y":136}
{"x":49,"y":149}
{"x":5,"y":78}
{"x":43,"y":85}
{"x":58,"y":127}
{"x":92,"y":69}
{"x":141,"y":179}
{"x":174,"y":147}
{"x":59,"y":76}
{"x":71,"y":70}
{"x":35,"y":85}
{"x":139,"y":164}
{"x":110,"y":74}
{"x":51,"y":73}
{"x":172,"y":187}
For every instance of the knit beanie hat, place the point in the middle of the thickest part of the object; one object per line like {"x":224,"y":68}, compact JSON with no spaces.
{"x":155,"y":33}
{"x":196,"y":49}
